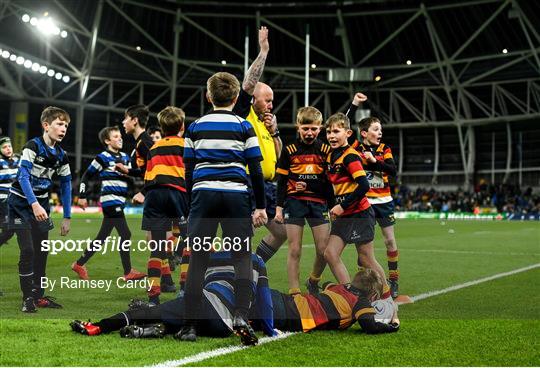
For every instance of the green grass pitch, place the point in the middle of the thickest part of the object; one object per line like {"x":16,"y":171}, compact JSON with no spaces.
{"x":495,"y":323}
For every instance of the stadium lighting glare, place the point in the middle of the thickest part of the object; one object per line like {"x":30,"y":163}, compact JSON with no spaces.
{"x":313,"y":66}
{"x":378,"y":78}
{"x":505,"y":51}
{"x":224,"y":62}
{"x":45,"y":25}
{"x":138,"y":48}
{"x":408,"y":62}
{"x":36,"y":67}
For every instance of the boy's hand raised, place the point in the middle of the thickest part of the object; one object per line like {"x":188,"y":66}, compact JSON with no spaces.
{"x":358,"y":98}
{"x":263,"y":39}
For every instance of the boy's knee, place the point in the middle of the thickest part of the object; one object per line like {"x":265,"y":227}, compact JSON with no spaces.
{"x":295,"y":252}
{"x":330,"y":255}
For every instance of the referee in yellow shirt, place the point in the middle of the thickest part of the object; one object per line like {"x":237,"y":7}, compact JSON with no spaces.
{"x":255,"y":105}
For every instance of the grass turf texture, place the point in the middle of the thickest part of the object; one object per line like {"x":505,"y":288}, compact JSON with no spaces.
{"x":494,"y":323}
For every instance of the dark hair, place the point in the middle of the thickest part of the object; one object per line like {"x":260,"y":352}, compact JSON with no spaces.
{"x":154,"y":128}
{"x":51,"y":113}
{"x":140,"y":112}
{"x":171,"y":120}
{"x":365,"y":123}
{"x":105,"y":134}
{"x":222,"y":88}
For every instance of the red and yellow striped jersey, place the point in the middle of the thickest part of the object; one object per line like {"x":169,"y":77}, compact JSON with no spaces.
{"x":165,"y":164}
{"x":301,"y":162}
{"x":344,"y":166}
{"x":334,"y":308}
{"x":379,"y":188}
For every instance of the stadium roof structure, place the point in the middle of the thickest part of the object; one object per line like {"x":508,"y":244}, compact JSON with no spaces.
{"x":422,"y":64}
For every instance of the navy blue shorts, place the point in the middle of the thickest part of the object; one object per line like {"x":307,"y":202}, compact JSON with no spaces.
{"x":384,"y":213}
{"x":164,"y":207}
{"x":358,"y":228}
{"x":270,"y":192}
{"x":232,"y":210}
{"x":116,"y":211}
{"x":3,"y":213}
{"x":297,"y":211}
{"x":211,"y":324}
{"x":21,"y":216}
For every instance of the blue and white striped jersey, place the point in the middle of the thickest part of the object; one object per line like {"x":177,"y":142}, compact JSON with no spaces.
{"x":220,"y":144}
{"x":41,"y":162}
{"x":8,"y":174}
{"x":114,"y":185}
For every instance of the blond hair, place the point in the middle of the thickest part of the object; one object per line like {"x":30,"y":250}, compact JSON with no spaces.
{"x":171,"y":120}
{"x":308,"y":115}
{"x":339,"y":119}
{"x":368,"y":281}
{"x":222,"y":88}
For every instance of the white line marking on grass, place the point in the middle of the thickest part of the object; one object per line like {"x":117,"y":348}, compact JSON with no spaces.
{"x":234,"y":348}
{"x":217,"y":352}
{"x":474,"y":282}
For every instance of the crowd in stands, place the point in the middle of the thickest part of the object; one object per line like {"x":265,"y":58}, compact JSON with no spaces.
{"x":497,"y":198}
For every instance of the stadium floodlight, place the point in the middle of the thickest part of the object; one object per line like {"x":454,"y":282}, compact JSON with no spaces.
{"x":313,"y":66}
{"x":378,"y":78}
{"x":138,"y":48}
{"x":408,"y":62}
{"x":5,"y":54}
{"x":50,"y":72}
{"x":505,"y":51}
{"x":43,"y":69}
{"x":35,"y":67}
{"x":223,"y":62}
{"x":45,"y":25}
{"x":65,"y":78}
{"x":13,"y":57}
{"x":27,"y":64}
{"x":58,"y":76}
{"x":19,"y":60}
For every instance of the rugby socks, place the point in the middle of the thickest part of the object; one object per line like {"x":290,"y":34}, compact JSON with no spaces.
{"x":166,"y":272}
{"x":184,"y":267}
{"x":265,"y":251}
{"x":154,"y":277}
{"x":393,"y":265}
{"x":386,"y":291}
{"x":294,"y":291}
{"x":243,"y":294}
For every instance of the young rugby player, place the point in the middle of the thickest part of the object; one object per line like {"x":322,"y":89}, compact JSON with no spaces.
{"x":379,"y":165}
{"x":114,"y":189}
{"x":353,"y":216}
{"x":164,"y":184}
{"x":219,"y":145}
{"x":301,"y":195}
{"x":9,"y":165}
{"x":28,"y":204}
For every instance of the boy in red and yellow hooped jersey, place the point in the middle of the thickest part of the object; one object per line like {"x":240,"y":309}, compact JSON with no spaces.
{"x":301,"y":195}
{"x":354,"y":219}
{"x":379,"y":164}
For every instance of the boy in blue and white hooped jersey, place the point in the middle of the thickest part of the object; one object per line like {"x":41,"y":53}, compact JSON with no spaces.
{"x":28,"y":204}
{"x":114,"y":190}
{"x":217,"y":148}
{"x":9,"y":165}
